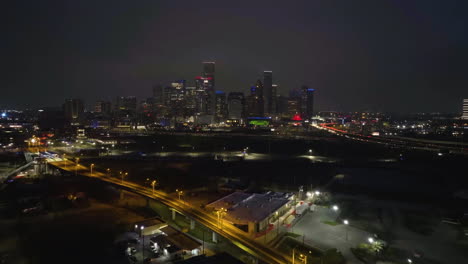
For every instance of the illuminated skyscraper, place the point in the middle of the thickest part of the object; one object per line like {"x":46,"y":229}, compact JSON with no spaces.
{"x":465,"y":109}
{"x":103,"y":107}
{"x":307,"y":102}
{"x":177,"y":98}
{"x":126,"y":103}
{"x":205,"y":99}
{"x":267,"y":88}
{"x":236,"y":105}
{"x":205,"y":89}
{"x":221,"y":107}
{"x":255,"y":102}
{"x":74,"y":110}
{"x":158,"y":94}
{"x":274,"y":99}
{"x":209,"y":69}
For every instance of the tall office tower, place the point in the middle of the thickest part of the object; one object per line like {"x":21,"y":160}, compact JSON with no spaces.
{"x":255,"y":103}
{"x":221,"y":107}
{"x":209,"y":69}
{"x":177,"y":97}
{"x":307,"y":102}
{"x":236,"y":103}
{"x":293,"y":106}
{"x":208,"y":83}
{"x":167,"y":90}
{"x":190,"y":100}
{"x":103,"y":107}
{"x":158,"y":94}
{"x":177,"y":92}
{"x":267,"y":88}
{"x":205,"y":95}
{"x":465,"y":109}
{"x":74,"y":110}
{"x":282,"y":104}
{"x":126,"y":103}
{"x":274,"y":99}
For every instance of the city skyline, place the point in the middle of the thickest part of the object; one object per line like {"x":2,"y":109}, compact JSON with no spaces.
{"x":391,"y":56}
{"x":240,"y":132}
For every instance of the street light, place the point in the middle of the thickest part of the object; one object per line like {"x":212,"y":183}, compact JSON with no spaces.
{"x":108,"y":172}
{"x":221,"y":212}
{"x":76,"y":166}
{"x":346,"y":222}
{"x":317,"y":192}
{"x":371,"y":240}
{"x":179,"y":192}
{"x":335,"y":208}
{"x":122,"y":175}
{"x":303,"y":257}
{"x":91,"y":168}
{"x":142,"y":244}
{"x":154,"y":183}
{"x":410,"y":261}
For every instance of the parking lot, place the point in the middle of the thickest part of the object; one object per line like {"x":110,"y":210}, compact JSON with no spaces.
{"x":318,"y":234}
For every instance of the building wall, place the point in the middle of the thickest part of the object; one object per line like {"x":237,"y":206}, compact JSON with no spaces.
{"x":465,"y":109}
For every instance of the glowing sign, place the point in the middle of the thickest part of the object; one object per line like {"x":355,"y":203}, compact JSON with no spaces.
{"x":297,"y":117}
{"x":259,"y":122}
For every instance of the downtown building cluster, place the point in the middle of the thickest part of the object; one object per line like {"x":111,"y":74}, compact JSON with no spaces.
{"x":195,"y":103}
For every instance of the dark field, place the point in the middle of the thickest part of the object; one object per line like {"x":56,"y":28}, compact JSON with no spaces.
{"x":370,"y":169}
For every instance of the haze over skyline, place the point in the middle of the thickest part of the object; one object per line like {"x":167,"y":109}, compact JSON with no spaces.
{"x":401,"y":56}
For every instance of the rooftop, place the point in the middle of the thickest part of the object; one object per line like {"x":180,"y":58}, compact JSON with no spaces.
{"x":151,"y":222}
{"x":246,"y":207}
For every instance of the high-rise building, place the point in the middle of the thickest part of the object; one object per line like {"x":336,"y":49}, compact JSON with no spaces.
{"x":190,"y":100}
{"x":267,"y":89}
{"x":307,"y":102}
{"x":209,"y":69}
{"x":207,"y":83}
{"x":282,"y":105}
{"x":74,"y":110}
{"x":255,"y":103}
{"x":158,"y":95}
{"x":205,"y":95}
{"x":274,"y":99}
{"x":221,"y":107}
{"x":293,"y":106}
{"x":126,"y":103}
{"x":465,"y":109}
{"x":236,"y":104}
{"x":103,"y":107}
{"x":175,"y":94}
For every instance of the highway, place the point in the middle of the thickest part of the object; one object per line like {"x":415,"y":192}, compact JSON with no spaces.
{"x":401,"y":142}
{"x":235,"y":235}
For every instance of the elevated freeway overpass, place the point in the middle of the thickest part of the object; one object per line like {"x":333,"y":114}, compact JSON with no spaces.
{"x":238,"y":237}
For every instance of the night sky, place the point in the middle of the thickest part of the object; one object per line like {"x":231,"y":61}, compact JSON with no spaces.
{"x":378,"y":55}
